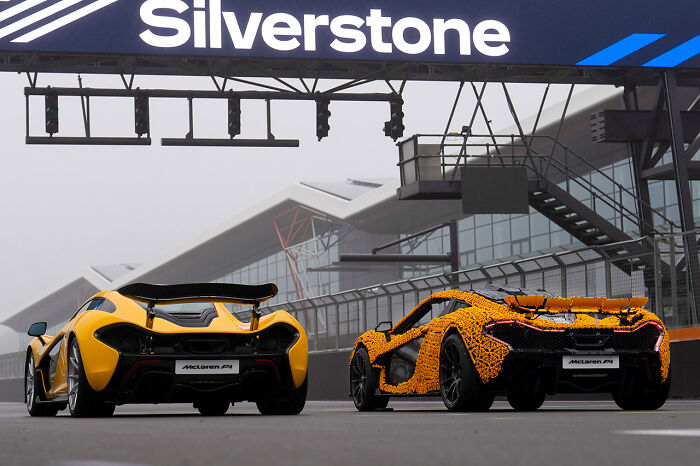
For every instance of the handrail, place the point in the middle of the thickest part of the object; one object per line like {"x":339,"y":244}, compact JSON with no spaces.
{"x":622,"y":187}
{"x":532,"y":155}
{"x":599,"y":249}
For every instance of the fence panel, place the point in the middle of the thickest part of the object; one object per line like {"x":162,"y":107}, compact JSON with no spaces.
{"x":579,"y":272}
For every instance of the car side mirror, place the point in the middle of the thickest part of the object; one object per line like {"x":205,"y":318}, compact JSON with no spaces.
{"x":384,"y":326}
{"x":37,"y":329}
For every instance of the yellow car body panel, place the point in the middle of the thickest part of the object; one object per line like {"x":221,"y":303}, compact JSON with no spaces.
{"x":101,"y":360}
{"x":486,"y":353}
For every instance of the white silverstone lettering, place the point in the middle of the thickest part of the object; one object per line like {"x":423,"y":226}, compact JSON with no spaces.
{"x":200,"y":29}
{"x":169,"y":25}
{"x":215,"y":24}
{"x":242,"y":40}
{"x":183,"y":32}
{"x":342,"y":28}
{"x":280,"y":25}
{"x":376,"y":22}
{"x":440,"y":28}
{"x":424,"y":35}
{"x":482,"y":36}
{"x":311,"y":22}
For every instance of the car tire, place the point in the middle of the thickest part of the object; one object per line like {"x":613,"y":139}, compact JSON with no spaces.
{"x":212,"y":407}
{"x":32,"y":388}
{"x":83,"y":401}
{"x":527,"y":398}
{"x":105,"y":410}
{"x":381,"y":402}
{"x":364,"y":381}
{"x":289,"y":404}
{"x":639,"y":397}
{"x":460,"y":385}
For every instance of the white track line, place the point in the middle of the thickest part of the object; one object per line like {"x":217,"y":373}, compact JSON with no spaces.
{"x":663,"y":432}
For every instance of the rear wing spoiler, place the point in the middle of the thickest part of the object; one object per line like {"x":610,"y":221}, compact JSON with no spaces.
{"x":199,"y":292}
{"x":576,"y":304}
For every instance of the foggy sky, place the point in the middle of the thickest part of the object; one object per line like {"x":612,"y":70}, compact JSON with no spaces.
{"x":64,"y":208}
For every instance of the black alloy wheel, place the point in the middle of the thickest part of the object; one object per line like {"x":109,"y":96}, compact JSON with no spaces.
{"x":364,"y":381}
{"x":460,"y":386}
{"x":450,"y":374}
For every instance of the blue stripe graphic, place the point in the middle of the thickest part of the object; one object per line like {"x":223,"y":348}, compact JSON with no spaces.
{"x":678,"y":55}
{"x":621,"y":49}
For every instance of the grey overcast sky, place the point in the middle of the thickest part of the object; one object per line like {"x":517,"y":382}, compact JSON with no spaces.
{"x":64,"y":208}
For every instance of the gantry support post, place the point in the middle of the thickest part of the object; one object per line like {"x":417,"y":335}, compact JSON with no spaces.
{"x":641,"y":184}
{"x":685,"y":200}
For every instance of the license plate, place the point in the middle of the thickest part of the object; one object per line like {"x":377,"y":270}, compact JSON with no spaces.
{"x":591,"y":362}
{"x":209,"y":366}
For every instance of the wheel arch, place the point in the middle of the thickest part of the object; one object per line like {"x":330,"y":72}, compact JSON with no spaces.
{"x":455,"y":330}
{"x":469,"y":332}
{"x":359,"y":343}
{"x":357,"y":347}
{"x":99,"y":361}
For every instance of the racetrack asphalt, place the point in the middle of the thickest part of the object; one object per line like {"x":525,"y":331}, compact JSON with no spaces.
{"x":415,"y":432}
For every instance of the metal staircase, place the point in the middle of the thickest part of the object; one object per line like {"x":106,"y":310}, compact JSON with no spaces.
{"x":587,"y":226}
{"x":563,"y":186}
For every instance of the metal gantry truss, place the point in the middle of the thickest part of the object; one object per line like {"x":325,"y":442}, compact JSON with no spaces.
{"x":288,"y":92}
{"x":354,"y":70}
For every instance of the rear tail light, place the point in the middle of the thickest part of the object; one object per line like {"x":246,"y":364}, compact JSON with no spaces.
{"x":520,"y":335}
{"x":123,"y":338}
{"x":127,"y":338}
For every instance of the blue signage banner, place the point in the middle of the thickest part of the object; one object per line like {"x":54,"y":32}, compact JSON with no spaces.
{"x":624,"y":33}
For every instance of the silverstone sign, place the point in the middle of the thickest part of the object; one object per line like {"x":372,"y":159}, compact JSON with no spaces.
{"x":654,"y":33}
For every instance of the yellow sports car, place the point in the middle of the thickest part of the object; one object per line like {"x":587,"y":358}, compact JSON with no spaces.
{"x":469,"y":346}
{"x":168,"y":344}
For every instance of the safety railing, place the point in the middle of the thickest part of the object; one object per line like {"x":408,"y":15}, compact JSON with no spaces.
{"x":334,"y":321}
{"x":546,"y":159}
{"x":12,"y":365}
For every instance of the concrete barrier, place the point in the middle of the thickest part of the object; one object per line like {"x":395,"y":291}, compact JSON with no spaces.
{"x":12,"y":390}
{"x":685,"y":369}
{"x":329,"y":376}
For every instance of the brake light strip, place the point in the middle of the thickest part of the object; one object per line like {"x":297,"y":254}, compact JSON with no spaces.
{"x":274,"y":366}
{"x":138,"y":363}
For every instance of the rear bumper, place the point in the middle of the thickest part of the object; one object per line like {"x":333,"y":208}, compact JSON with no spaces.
{"x":151,"y":378}
{"x":545,"y":370}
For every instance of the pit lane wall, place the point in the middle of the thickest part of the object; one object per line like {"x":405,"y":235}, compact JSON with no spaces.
{"x":328,"y":373}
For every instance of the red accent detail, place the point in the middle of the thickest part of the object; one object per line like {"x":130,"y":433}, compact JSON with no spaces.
{"x":525,"y":325}
{"x":274,"y":366}
{"x":138,"y":363}
{"x":517,"y":323}
{"x":499,"y":340}
{"x":657,"y":345}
